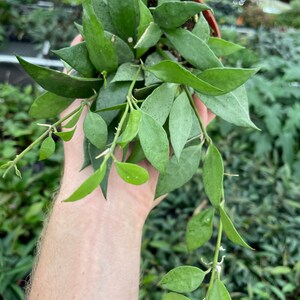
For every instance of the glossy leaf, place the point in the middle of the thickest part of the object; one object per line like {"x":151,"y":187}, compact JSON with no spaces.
{"x":175,"y":296}
{"x":213,"y":174}
{"x":61,"y":84}
{"x":169,"y":71}
{"x":231,"y":231}
{"x":49,"y":105}
{"x":154,"y":141}
{"x":180,"y":123}
{"x":183,"y":279}
{"x":219,"y":291}
{"x":78,"y":58}
{"x":66,"y":136}
{"x":95,"y":130}
{"x":132,"y":173}
{"x":89,"y":185}
{"x":179,"y":172}
{"x":101,"y":50}
{"x":150,"y":37}
{"x":47,"y":148}
{"x":74,"y":119}
{"x":201,"y":29}
{"x":232,"y":107}
{"x":199,"y":229}
{"x":227,"y":79}
{"x":132,"y":127}
{"x":127,"y":72}
{"x":197,"y":53}
{"x":174,"y":14}
{"x":222,"y":48}
{"x":159,"y":103}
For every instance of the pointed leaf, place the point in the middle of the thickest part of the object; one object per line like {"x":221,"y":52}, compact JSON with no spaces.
{"x":60,"y":83}
{"x":154,"y":142}
{"x":198,"y":53}
{"x":47,"y":148}
{"x":213,"y":174}
{"x":179,"y":172}
{"x":150,"y":37}
{"x":222,"y":48}
{"x":175,"y":296}
{"x":183,"y":279}
{"x":132,"y":173}
{"x":66,"y":136}
{"x":180,"y":123}
{"x":95,"y":129}
{"x":230,"y":230}
{"x":201,"y":29}
{"x":219,"y":291}
{"x":49,"y":105}
{"x":199,"y":229}
{"x":174,"y":14}
{"x":159,"y":103}
{"x":127,"y":72}
{"x":74,"y":119}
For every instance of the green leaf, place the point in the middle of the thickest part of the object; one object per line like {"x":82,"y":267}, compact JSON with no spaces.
{"x":169,"y":71}
{"x":74,"y":119}
{"x":95,"y":130}
{"x":66,"y":136}
{"x":159,"y":103}
{"x":124,"y":15}
{"x":201,"y":29}
{"x":199,"y":229}
{"x":154,"y":141}
{"x":232,"y":107}
{"x":223,"y":48}
{"x":132,"y":127}
{"x":132,"y":173}
{"x":150,"y":37}
{"x":101,"y":50}
{"x":86,"y":154}
{"x":179,"y":172}
{"x":60,"y":83}
{"x":213,"y":174}
{"x":173,"y":14}
{"x":150,"y":61}
{"x":197,"y":53}
{"x":180,"y":123}
{"x":279,"y":270}
{"x":89,"y":185}
{"x":49,"y":105}
{"x":230,"y":230}
{"x":183,"y":279}
{"x":127,"y":72}
{"x":219,"y":291}
{"x":137,"y":154}
{"x":226,"y":79}
{"x":175,"y":296}
{"x":47,"y":148}
{"x":79,"y":28}
{"x":78,"y":58}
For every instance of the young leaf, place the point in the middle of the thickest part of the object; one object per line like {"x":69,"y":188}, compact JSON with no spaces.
{"x":127,"y":72}
{"x":154,"y":142}
{"x":101,"y":50}
{"x":179,"y":172}
{"x":230,"y":230}
{"x":66,"y":136}
{"x":62,"y":84}
{"x":199,"y":229}
{"x":198,"y":53}
{"x":47,"y":148}
{"x":232,"y":107}
{"x":201,"y":29}
{"x":226,"y":79}
{"x":170,"y":71}
{"x":132,"y":127}
{"x":150,"y":37}
{"x":180,"y":123}
{"x":159,"y":103}
{"x":183,"y":279}
{"x":219,"y":291}
{"x":89,"y":185}
{"x":49,"y":105}
{"x":173,"y":14}
{"x":95,"y":130}
{"x":222,"y":48}
{"x":213,"y":174}
{"x":175,"y":296}
{"x":132,"y":173}
{"x":74,"y":119}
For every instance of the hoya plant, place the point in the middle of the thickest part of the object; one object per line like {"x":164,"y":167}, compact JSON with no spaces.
{"x":139,"y":70}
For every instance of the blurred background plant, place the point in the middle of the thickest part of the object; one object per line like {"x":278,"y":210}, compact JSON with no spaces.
{"x":264,"y":198}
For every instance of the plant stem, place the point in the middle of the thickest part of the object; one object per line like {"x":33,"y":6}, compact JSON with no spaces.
{"x":162,"y":52}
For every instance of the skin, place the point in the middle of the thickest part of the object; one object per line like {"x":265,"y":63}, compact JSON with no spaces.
{"x":90,"y":249}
